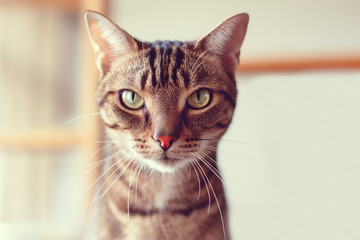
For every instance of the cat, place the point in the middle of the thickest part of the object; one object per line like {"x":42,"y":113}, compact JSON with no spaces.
{"x":164,"y":105}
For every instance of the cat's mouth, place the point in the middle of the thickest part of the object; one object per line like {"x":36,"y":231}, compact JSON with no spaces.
{"x":166,"y":159}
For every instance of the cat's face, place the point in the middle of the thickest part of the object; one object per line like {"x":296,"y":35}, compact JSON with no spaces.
{"x":166,"y":104}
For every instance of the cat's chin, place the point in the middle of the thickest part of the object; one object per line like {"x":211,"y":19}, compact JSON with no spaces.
{"x":165,"y":164}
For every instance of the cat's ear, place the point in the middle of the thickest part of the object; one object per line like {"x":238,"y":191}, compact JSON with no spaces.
{"x":225,"y":41}
{"x":108,"y":40}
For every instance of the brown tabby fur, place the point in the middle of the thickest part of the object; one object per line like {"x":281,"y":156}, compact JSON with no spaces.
{"x":148,"y":192}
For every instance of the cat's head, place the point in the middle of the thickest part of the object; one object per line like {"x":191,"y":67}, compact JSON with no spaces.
{"x":166,"y":104}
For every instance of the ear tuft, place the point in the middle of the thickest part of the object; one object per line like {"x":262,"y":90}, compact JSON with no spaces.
{"x":108,"y":40}
{"x":225,"y":41}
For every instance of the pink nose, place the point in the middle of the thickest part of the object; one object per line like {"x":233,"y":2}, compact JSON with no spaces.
{"x":165,"y":141}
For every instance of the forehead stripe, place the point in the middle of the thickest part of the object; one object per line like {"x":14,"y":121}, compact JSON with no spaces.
{"x":179,"y":60}
{"x":165,"y":69}
{"x":185,"y":75}
{"x":160,"y":67}
{"x":152,"y":55}
{"x":144,"y":79}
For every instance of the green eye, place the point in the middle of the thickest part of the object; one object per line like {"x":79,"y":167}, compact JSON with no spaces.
{"x":199,"y":99}
{"x":131,"y":99}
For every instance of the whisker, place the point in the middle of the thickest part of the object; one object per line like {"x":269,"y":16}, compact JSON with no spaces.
{"x":137,"y":179}
{"x":230,"y":154}
{"x":199,"y":65}
{"x":92,"y":155}
{"x":187,"y":170}
{"x":207,"y":188}
{"x":211,"y":167}
{"x":197,"y":175}
{"x":100,"y":188}
{"x":234,"y":141}
{"x":79,"y":117}
{"x":87,"y":189}
{"x":150,"y":172}
{"x":103,"y":148}
{"x":244,"y":143}
{"x":235,"y":115}
{"x":216,"y":199}
{"x":117,"y":178}
{"x":201,"y":55}
{"x":218,"y":173}
{"x":115,"y":140}
{"x":229,"y":174}
{"x":96,"y":164}
{"x":128,"y":195}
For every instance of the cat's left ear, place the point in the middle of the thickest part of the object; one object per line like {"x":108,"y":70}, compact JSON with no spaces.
{"x":225,"y":41}
{"x":108,"y":40}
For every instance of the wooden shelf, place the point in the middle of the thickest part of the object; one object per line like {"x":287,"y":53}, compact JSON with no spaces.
{"x":58,"y":138}
{"x":299,"y":63}
{"x":41,"y":139}
{"x":69,"y":5}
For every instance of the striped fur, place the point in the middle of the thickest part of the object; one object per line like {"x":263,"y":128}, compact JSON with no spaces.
{"x":146,"y":191}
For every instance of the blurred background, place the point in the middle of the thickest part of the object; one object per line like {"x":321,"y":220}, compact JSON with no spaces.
{"x":291,"y":158}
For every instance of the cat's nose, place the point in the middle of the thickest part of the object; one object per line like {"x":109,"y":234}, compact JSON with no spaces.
{"x":165,"y":140}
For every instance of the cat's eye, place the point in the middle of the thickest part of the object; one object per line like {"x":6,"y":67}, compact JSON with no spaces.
{"x":131,"y":99}
{"x":199,"y":99}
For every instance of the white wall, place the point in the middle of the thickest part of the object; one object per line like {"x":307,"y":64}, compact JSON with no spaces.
{"x":276,"y":27}
{"x":38,"y":48}
{"x":298,"y":161}
{"x":291,"y":157}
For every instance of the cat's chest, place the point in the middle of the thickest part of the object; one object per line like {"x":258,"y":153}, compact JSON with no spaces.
{"x":164,"y":194}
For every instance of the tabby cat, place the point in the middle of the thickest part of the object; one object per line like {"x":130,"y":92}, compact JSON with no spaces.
{"x":165,"y":105}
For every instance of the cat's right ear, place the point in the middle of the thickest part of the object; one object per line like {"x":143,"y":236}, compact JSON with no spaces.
{"x":108,"y":40}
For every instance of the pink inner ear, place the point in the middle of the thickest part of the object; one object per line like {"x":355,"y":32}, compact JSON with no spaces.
{"x":101,"y":47}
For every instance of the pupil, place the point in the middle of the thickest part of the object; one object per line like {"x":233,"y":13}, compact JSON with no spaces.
{"x":133,"y":96}
{"x":198,"y":96}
